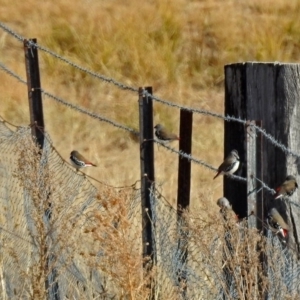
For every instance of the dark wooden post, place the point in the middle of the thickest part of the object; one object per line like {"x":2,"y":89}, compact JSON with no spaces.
{"x":271,"y":93}
{"x":184,"y":188}
{"x":37,"y":129}
{"x":147,"y":172}
{"x":34,"y":91}
{"x":184,"y":165}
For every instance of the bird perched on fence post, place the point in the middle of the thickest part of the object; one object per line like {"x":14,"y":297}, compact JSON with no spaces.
{"x":230,"y":164}
{"x":163,"y":135}
{"x":277,"y":224}
{"x":287,"y":188}
{"x":79,"y":161}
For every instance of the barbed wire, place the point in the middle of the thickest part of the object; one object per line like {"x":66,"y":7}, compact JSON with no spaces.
{"x":83,"y":69}
{"x":210,"y":167}
{"x":11,"y":73}
{"x":180,"y":153}
{"x":50,"y":143}
{"x":227,"y":118}
{"x":197,"y":161}
{"x":89,"y":113}
{"x":82,"y":110}
{"x":72,"y":106}
{"x":11,"y":32}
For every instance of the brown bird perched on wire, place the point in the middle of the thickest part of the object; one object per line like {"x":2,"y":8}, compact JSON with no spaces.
{"x":230,"y":164}
{"x":277,"y":224}
{"x":79,"y":161}
{"x":163,"y":135}
{"x":287,"y":188}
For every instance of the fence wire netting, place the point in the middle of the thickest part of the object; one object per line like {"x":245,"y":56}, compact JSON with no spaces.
{"x":61,"y":237}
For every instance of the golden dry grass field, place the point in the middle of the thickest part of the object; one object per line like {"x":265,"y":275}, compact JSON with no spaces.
{"x":178,"y":47}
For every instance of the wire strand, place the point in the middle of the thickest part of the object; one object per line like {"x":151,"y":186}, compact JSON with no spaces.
{"x":89,"y":113}
{"x":228,"y":118}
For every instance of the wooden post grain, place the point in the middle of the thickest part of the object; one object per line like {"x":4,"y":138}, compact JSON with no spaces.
{"x":271,"y":93}
{"x":253,"y":170}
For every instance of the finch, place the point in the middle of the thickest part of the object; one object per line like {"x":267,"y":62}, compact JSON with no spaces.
{"x":287,"y":188}
{"x":230,"y":164}
{"x":226,"y":210}
{"x":79,"y":161}
{"x":276,"y":223}
{"x":163,"y":135}
{"x":223,"y":202}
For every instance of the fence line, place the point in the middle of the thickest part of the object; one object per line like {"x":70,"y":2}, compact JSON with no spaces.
{"x":50,"y":143}
{"x":210,"y":167}
{"x":72,"y":106}
{"x":227,"y":118}
{"x":89,"y":113}
{"x":11,"y":73}
{"x":93,"y":268}
{"x":11,"y":32}
{"x":182,"y":154}
{"x":172,"y":150}
{"x":164,"y":235}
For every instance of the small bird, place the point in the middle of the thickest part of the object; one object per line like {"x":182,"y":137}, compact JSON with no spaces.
{"x":226,"y":210}
{"x":230,"y":164}
{"x":277,"y":224}
{"x":79,"y":161}
{"x":224,"y":202}
{"x":287,"y":188}
{"x":163,"y":135}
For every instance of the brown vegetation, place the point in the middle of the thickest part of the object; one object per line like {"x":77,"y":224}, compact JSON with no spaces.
{"x":180,"y":48}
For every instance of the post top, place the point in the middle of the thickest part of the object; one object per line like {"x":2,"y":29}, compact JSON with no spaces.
{"x":250,"y":63}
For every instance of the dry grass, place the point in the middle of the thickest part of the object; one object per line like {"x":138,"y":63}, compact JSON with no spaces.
{"x":92,"y":239}
{"x":179,"y":48}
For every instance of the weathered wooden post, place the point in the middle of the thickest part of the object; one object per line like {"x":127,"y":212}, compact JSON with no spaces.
{"x":37,"y":129}
{"x":255,"y":192}
{"x":34,"y":91}
{"x":147,"y":175}
{"x":184,"y":190}
{"x":270,"y":93}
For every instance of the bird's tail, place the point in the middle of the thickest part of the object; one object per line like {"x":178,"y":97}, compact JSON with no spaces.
{"x":217,"y":175}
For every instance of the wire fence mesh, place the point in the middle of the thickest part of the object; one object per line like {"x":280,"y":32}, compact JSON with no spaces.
{"x":51,"y":220}
{"x":85,"y":243}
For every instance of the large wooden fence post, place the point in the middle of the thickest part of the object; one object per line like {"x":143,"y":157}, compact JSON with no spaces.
{"x":270,"y":93}
{"x":37,"y":129}
{"x":147,"y":173}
